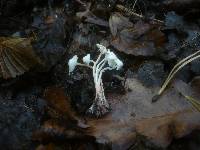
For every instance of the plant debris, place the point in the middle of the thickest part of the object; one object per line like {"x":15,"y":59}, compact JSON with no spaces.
{"x":43,"y":107}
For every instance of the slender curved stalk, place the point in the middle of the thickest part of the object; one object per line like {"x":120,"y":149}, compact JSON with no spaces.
{"x":95,"y":67}
{"x":177,"y":68}
{"x":101,"y":72}
{"x":179,"y":63}
{"x":98,"y":67}
{"x":194,"y":102}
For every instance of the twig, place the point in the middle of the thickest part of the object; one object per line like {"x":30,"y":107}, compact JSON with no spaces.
{"x":129,"y":12}
{"x":134,"y":4}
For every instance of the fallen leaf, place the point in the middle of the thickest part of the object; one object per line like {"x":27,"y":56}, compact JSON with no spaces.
{"x":117,"y":22}
{"x":135,"y":48}
{"x":96,"y":20}
{"x":89,"y":17}
{"x":133,"y":113}
{"x":63,"y":124}
{"x":16,"y":56}
{"x":163,"y":129}
{"x":57,"y":130}
{"x":140,"y":40}
{"x":59,"y":104}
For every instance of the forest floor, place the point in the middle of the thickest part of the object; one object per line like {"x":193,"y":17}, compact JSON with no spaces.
{"x":43,"y":107}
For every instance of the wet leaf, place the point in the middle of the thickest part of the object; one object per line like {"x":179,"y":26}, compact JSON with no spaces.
{"x":141,"y":40}
{"x":16,"y":56}
{"x":134,"y":48}
{"x":132,"y":114}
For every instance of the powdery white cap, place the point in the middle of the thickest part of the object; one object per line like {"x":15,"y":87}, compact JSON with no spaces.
{"x":72,"y":63}
{"x":102,"y":48}
{"x":113,"y":61}
{"x":119,"y":64}
{"x":86,"y":59}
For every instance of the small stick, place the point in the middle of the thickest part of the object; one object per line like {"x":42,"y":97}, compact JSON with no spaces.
{"x":129,"y":12}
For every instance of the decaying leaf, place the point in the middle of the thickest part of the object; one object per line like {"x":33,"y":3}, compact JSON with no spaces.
{"x":133,"y":113}
{"x":140,"y":40}
{"x":59,"y":104}
{"x":57,"y":130}
{"x":63,"y":123}
{"x":16,"y":56}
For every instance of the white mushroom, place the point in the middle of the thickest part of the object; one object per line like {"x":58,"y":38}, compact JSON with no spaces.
{"x":86,"y":59}
{"x":106,"y":60}
{"x":72,"y":63}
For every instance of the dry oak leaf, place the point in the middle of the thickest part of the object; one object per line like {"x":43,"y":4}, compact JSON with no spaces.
{"x":16,"y":56}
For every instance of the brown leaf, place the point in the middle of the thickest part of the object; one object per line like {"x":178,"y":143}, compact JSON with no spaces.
{"x":56,"y":98}
{"x":55,"y":130}
{"x":172,"y":116}
{"x":161,"y":130}
{"x":117,"y":22}
{"x":135,"y":48}
{"x":59,"y":104}
{"x":89,"y":17}
{"x":157,"y":37}
{"x":16,"y":56}
{"x":141,"y":40}
{"x":63,"y":124}
{"x":140,"y":28}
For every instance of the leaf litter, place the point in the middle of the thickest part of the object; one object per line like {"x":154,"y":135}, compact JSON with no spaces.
{"x":150,"y":42}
